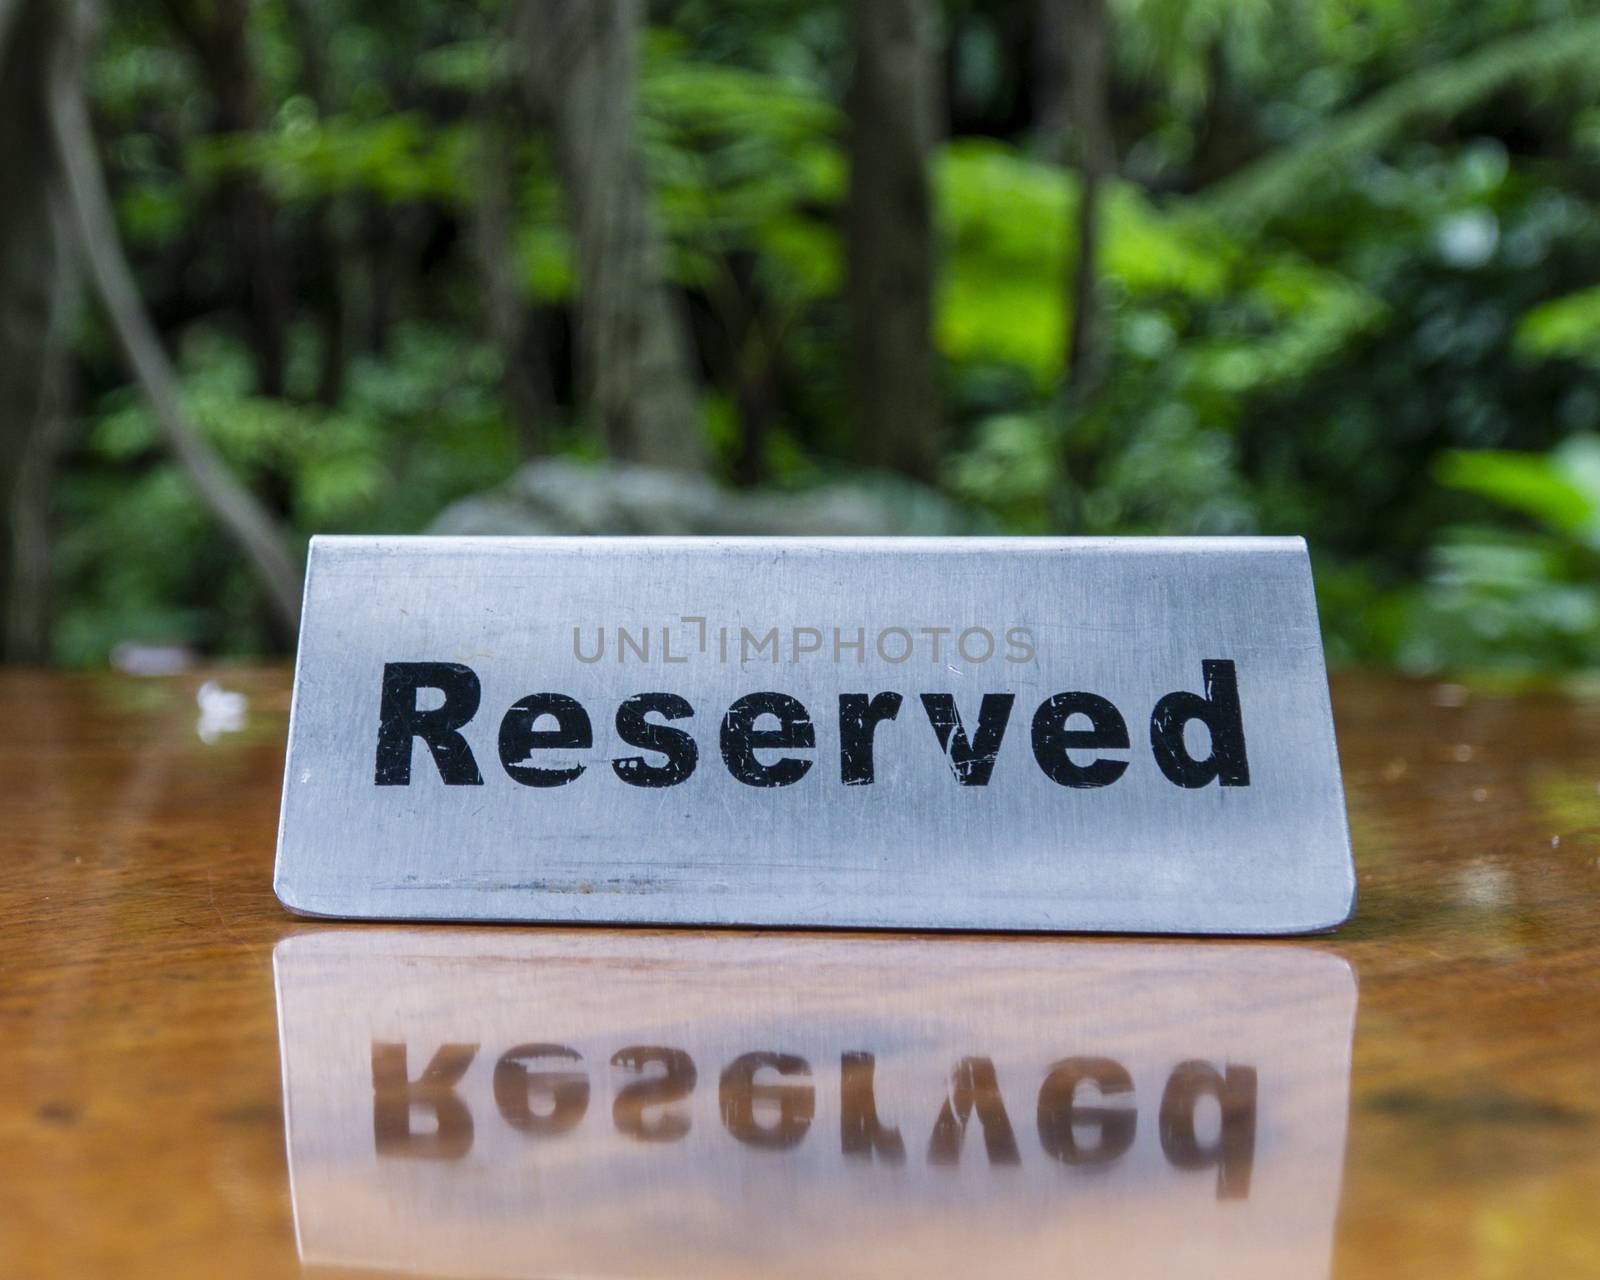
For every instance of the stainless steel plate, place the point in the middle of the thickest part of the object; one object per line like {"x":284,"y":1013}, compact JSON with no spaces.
{"x":1040,"y":734}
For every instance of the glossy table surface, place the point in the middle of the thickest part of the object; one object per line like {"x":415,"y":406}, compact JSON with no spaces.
{"x":195,"y":1083}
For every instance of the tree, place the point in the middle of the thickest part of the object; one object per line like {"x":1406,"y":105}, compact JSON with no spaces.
{"x":35,"y":305}
{"x":238,"y":511}
{"x":330,"y":244}
{"x":581,"y":66}
{"x":1088,"y":89}
{"x":893,"y":109}
{"x":218,"y":35}
{"x":511,"y":323}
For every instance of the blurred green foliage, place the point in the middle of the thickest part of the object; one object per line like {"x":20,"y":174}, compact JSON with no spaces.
{"x":1350,"y":268}
{"x":1517,"y":600}
{"x":412,"y":432}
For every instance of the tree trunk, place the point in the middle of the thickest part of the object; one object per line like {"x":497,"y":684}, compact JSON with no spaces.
{"x":752,"y":357}
{"x":333,"y":250}
{"x":632,"y":355}
{"x":1088,"y":346}
{"x":239,"y":513}
{"x":1052,"y":81}
{"x":511,"y":321}
{"x":35,"y":305}
{"x":893,"y":108}
{"x":220,"y":41}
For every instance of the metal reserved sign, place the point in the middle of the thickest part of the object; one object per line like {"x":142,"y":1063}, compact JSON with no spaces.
{"x":1128,"y":735}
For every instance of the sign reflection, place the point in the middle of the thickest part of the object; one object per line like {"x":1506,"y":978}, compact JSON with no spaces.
{"x":621,"y":1104}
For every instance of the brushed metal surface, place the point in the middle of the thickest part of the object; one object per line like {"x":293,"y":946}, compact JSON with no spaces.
{"x":935,"y":840}
{"x":604,"y":1104}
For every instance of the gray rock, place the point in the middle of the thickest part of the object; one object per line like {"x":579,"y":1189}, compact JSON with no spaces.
{"x":559,"y":496}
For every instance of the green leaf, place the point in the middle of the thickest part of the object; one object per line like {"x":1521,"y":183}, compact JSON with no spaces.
{"x":1566,"y":326}
{"x":1259,"y":191}
{"x":1531,"y":483}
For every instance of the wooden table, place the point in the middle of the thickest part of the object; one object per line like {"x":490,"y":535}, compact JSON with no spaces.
{"x":142,"y":1116}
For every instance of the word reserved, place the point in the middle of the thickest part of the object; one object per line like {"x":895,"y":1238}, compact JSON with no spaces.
{"x":1067,"y":732}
